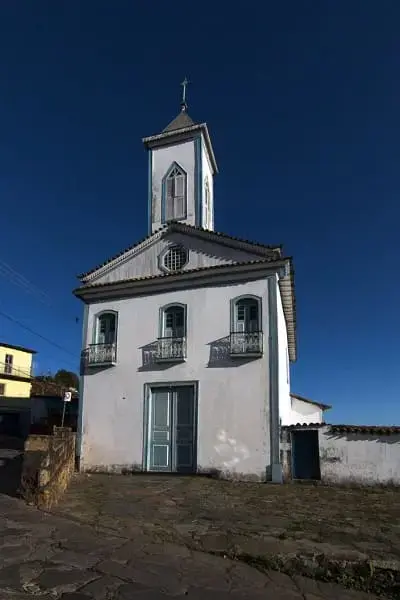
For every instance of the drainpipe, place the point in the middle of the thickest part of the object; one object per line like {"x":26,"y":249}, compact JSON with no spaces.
{"x":276,"y":467}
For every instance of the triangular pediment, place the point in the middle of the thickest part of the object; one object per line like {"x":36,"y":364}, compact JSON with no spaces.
{"x":204,"y":249}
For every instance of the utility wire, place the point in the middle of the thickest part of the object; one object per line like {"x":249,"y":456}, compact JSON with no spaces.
{"x":27,"y":286}
{"x":18,"y":279}
{"x":7,"y":369}
{"x":43,"y":384}
{"x":6,"y":316}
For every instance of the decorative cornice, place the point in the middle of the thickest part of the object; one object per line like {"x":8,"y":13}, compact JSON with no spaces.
{"x":160,"y":139}
{"x":213,"y":236}
{"x":122,"y":256}
{"x":165,"y":281}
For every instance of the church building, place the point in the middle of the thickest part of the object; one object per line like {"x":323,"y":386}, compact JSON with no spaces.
{"x":188,"y":334}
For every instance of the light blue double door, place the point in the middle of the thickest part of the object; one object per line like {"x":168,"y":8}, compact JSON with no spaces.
{"x":171,"y":429}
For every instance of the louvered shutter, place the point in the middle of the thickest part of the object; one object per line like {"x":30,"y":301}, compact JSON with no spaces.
{"x":240,"y":318}
{"x":252,"y":317}
{"x":179,"y":322}
{"x":179,"y":208}
{"x":169,"y":200}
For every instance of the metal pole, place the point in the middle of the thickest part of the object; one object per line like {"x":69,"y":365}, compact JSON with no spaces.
{"x":63,"y":414}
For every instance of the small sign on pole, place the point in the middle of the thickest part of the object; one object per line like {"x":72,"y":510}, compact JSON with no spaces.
{"x":67,"y":398}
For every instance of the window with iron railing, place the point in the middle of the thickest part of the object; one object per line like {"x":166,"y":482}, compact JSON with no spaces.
{"x":171,"y":345}
{"x":246,"y":336}
{"x":103,"y":350}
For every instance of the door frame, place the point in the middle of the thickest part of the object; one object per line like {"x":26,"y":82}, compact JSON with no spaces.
{"x":146,"y":429}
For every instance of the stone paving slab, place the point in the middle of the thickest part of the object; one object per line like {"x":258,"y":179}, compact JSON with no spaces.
{"x":329,"y":533}
{"x":82,"y":563}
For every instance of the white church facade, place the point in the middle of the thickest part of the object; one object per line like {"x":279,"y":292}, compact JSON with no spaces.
{"x":187,"y":335}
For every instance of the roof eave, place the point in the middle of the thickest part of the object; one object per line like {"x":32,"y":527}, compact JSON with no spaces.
{"x":20,"y":348}
{"x":286,"y":286}
{"x":321,"y":405}
{"x":216,"y":236}
{"x":255,"y":269}
{"x":168,"y":136}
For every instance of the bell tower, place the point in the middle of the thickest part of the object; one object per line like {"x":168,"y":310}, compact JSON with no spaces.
{"x":182,"y":166}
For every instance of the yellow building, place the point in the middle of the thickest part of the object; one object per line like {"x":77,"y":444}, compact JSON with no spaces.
{"x":15,"y":371}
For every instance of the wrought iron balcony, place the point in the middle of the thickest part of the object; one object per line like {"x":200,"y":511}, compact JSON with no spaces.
{"x":247,"y":343}
{"x":100,"y":355}
{"x":171,"y":349}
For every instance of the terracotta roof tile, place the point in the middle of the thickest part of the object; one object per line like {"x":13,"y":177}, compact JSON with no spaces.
{"x":303,"y":426}
{"x":363,"y":429}
{"x":367,"y":429}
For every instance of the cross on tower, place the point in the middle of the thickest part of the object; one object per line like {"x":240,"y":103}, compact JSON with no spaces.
{"x":184,"y":85}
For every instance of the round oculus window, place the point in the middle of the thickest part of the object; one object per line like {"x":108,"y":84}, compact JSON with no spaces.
{"x":175,"y":258}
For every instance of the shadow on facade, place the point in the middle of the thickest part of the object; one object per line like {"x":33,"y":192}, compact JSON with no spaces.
{"x":93,"y":369}
{"x":149,"y":360}
{"x":220,"y":355}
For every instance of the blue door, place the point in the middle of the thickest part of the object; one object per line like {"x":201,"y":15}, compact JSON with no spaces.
{"x":305,"y":454}
{"x":171,"y":429}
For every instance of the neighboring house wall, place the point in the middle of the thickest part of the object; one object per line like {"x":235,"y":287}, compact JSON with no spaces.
{"x":303,"y":412}
{"x":361,"y":458}
{"x":49,"y":409}
{"x":283,"y":364}
{"x":16,"y":389}
{"x":20,"y":367}
{"x":233,"y":434}
{"x":15,"y":412}
{"x":147,"y":261}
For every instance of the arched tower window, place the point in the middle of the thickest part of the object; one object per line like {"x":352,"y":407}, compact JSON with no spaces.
{"x":174,"y":194}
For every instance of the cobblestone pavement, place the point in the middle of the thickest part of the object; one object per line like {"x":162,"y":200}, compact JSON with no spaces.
{"x":51,"y":557}
{"x":303,"y":529}
{"x":219,"y":515}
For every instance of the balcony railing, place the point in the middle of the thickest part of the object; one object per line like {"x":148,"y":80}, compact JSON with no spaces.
{"x":247,"y":343}
{"x":7,"y":369}
{"x":171,"y":349}
{"x":100,"y":355}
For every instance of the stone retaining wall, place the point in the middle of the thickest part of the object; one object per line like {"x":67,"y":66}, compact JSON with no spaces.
{"x":49,"y":462}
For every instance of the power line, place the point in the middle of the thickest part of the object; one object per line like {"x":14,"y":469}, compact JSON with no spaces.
{"x":7,"y":369}
{"x":20,"y":280}
{"x":3,"y":314}
{"x":27,"y":286}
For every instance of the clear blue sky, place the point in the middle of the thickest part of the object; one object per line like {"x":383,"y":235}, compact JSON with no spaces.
{"x":302,"y":100}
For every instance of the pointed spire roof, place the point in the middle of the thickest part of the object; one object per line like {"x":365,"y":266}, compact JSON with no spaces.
{"x":181,"y":121}
{"x":182,"y":127}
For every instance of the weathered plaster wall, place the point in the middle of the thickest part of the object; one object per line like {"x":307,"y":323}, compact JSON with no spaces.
{"x":201,"y":254}
{"x":233,"y":403}
{"x":359,"y":458}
